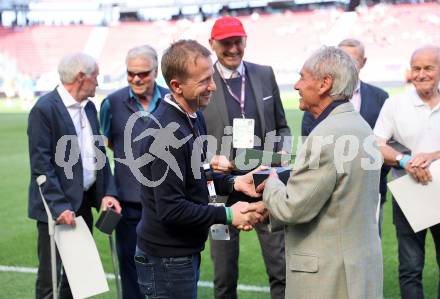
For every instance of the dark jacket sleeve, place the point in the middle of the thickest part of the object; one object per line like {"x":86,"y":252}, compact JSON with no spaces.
{"x":383,"y":96}
{"x":223,"y":183}
{"x":282,"y":129}
{"x":109,"y":185}
{"x":42,"y":157}
{"x":109,"y":180}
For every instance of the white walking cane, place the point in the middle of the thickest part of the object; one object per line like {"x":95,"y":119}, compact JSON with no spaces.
{"x":51,"y":227}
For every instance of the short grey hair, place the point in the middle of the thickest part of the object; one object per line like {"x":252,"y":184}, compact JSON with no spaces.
{"x":353,"y":43}
{"x":334,"y":62}
{"x":427,"y":48}
{"x":73,"y":64}
{"x":144,"y":52}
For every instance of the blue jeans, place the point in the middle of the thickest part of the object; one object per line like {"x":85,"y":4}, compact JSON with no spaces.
{"x":167,"y":277}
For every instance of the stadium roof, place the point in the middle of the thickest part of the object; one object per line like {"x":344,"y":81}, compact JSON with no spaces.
{"x":142,"y":4}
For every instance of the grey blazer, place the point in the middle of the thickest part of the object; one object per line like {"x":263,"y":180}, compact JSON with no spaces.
{"x":333,"y":248}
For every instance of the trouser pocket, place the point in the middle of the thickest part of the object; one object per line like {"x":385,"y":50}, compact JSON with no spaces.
{"x":145,"y":274}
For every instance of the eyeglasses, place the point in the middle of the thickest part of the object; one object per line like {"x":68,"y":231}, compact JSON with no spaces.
{"x":141,"y":75}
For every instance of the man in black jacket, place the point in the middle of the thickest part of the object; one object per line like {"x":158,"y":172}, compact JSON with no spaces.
{"x":70,"y":188}
{"x":176,"y":216}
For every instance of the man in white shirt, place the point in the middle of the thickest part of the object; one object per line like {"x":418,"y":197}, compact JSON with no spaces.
{"x":82,"y":178}
{"x":413,"y":120}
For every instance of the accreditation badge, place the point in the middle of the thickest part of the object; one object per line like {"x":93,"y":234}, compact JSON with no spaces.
{"x":243,"y":130}
{"x":219,"y":231}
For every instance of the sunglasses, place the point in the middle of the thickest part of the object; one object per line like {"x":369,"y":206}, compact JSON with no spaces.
{"x":141,"y":75}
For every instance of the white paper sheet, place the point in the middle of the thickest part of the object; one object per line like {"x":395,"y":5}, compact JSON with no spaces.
{"x":80,"y":259}
{"x":420,"y":203}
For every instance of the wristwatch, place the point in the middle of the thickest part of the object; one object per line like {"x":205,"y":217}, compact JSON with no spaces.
{"x":402,"y":160}
{"x":398,"y":158}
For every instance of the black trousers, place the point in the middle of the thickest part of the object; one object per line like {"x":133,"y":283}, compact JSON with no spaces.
{"x":126,"y":247}
{"x":43,"y":286}
{"x":411,"y":247}
{"x":224,"y":255}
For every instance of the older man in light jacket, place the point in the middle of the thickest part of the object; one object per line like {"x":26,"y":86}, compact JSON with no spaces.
{"x":328,"y":207}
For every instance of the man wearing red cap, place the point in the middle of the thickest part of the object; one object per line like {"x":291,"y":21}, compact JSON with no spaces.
{"x":247,"y":104}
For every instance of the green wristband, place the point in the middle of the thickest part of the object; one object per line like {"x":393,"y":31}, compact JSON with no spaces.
{"x":228,"y":215}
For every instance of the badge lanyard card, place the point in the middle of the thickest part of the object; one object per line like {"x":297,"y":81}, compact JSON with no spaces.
{"x":218,"y":231}
{"x":243,"y":129}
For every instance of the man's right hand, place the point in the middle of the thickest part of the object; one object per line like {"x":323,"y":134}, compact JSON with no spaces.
{"x":258,"y":207}
{"x":221,"y":164}
{"x":245,"y":221}
{"x":66,"y":217}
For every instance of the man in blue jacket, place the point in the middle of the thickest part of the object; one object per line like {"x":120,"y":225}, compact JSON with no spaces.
{"x":63,"y":130}
{"x":141,"y":95}
{"x":176,"y":214}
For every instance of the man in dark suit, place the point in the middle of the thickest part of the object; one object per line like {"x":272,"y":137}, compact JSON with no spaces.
{"x":367,"y":100}
{"x":244,"y":91}
{"x":141,"y":95}
{"x":70,"y":188}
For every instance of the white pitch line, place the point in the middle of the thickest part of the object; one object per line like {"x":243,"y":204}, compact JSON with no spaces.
{"x":202,"y":283}
{"x":18,"y":269}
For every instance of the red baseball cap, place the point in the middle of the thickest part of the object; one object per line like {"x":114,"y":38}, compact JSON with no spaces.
{"x":225,"y":27}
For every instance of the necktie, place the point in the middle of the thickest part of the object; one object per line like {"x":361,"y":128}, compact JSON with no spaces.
{"x":235,"y":74}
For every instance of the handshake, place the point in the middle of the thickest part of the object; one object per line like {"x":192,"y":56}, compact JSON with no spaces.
{"x":245,"y":215}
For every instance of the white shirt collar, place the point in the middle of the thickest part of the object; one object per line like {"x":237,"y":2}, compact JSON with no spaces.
{"x":68,"y":100}
{"x":418,"y":102}
{"x":227,"y":73}
{"x":168,"y":99}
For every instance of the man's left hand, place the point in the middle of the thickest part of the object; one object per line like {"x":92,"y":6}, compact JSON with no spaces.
{"x":420,"y":175}
{"x":245,"y":183}
{"x":110,"y":202}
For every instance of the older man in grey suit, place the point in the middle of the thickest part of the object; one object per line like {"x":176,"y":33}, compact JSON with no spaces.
{"x":328,"y":206}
